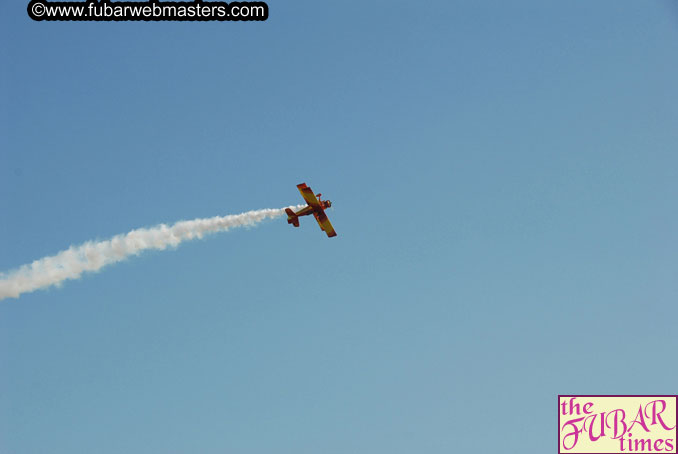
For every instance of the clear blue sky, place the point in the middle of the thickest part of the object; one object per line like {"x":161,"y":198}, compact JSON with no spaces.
{"x":504,"y":178}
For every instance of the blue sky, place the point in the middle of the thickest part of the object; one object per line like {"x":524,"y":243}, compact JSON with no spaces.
{"x":504,"y":178}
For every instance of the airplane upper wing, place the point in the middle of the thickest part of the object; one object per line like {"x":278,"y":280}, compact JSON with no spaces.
{"x":325,"y":224}
{"x":308,"y":195}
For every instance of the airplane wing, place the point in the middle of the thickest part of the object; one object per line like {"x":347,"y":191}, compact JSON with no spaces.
{"x":307,"y":194}
{"x":325,"y":224}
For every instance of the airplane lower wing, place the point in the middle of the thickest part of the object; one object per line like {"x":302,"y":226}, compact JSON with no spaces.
{"x":325,"y":224}
{"x":307,"y":194}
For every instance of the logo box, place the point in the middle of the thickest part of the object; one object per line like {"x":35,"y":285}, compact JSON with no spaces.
{"x":617,"y":424}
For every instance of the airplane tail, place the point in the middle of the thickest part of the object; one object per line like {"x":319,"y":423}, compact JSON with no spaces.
{"x":291,"y":217}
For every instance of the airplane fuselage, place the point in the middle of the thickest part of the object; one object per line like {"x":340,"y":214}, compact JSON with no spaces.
{"x":305,"y":211}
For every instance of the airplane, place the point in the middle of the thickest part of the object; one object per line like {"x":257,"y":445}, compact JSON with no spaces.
{"x":316,"y":206}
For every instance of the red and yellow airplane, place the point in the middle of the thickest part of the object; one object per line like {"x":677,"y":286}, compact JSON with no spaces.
{"x":315,"y":207}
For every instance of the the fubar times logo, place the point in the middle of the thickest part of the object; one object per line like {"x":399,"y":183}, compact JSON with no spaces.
{"x":590,"y":424}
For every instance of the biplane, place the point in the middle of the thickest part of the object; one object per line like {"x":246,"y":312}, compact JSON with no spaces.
{"x":316,"y":207}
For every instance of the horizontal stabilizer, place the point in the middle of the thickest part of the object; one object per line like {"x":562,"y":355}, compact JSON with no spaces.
{"x":292,"y":218}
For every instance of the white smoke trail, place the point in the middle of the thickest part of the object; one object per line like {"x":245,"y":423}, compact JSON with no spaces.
{"x":92,"y":256}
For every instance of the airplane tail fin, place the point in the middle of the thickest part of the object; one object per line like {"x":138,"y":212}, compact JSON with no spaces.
{"x":291,"y":217}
